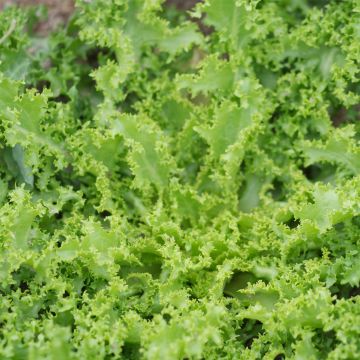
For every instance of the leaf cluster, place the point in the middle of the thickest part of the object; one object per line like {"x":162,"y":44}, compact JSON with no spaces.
{"x":178,"y":185}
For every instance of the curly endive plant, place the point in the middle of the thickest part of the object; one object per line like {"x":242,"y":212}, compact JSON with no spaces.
{"x":181,"y":184}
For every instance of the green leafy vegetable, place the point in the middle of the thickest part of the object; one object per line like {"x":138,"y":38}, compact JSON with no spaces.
{"x":181,"y":185}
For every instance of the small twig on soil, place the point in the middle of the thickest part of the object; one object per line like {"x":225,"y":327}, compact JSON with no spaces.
{"x":9,"y":31}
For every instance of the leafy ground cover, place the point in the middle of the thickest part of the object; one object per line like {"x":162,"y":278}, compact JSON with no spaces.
{"x":181,"y":183}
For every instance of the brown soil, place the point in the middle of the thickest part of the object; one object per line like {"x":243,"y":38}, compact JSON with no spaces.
{"x":182,"y":4}
{"x":340,"y":117}
{"x":58,"y":11}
